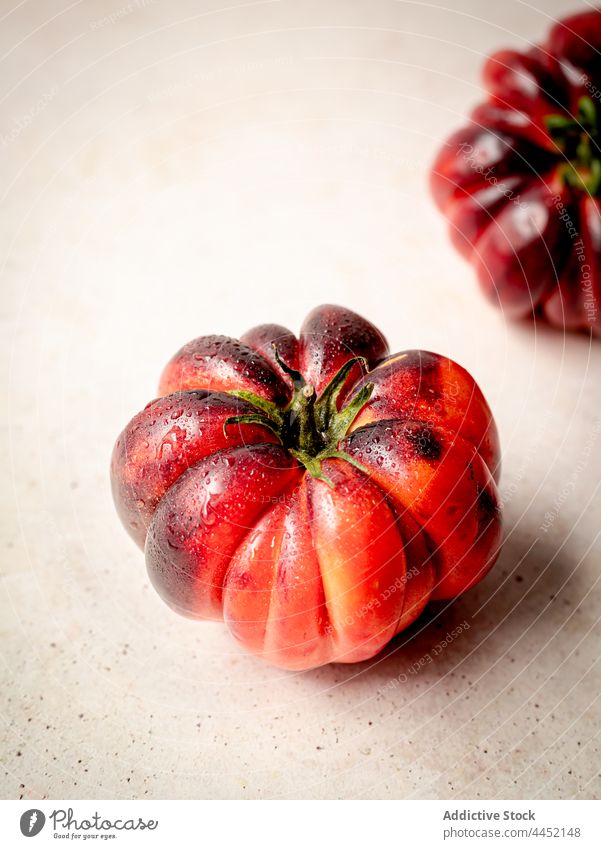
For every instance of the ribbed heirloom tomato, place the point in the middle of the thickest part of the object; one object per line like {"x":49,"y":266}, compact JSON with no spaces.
{"x":521,"y":183}
{"x":314,"y":493}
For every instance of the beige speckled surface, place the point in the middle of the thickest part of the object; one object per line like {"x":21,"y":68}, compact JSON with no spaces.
{"x":187,"y":169}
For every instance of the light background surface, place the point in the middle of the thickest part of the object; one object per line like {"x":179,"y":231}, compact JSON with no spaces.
{"x":189,"y":168}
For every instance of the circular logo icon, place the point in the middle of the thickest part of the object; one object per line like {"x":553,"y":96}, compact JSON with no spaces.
{"x":32,"y":822}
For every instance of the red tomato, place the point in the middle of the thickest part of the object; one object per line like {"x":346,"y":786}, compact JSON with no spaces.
{"x":314,"y":493}
{"x":521,"y":183}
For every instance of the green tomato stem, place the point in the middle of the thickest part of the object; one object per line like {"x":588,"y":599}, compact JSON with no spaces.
{"x":310,"y":427}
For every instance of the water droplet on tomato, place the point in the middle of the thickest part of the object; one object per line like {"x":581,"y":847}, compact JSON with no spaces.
{"x":208,"y":516}
{"x":172,"y":440}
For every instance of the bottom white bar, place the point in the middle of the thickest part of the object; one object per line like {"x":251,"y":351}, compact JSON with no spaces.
{"x":306,"y":825}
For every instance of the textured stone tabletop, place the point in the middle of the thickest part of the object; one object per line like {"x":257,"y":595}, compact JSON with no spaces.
{"x":170,"y":169}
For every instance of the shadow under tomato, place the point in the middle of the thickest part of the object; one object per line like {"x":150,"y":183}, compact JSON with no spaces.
{"x":531,"y":577}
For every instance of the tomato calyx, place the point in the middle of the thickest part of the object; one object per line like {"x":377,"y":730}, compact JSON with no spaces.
{"x":577,"y":139}
{"x":309,"y":427}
